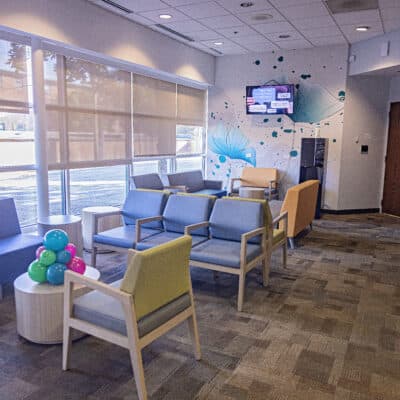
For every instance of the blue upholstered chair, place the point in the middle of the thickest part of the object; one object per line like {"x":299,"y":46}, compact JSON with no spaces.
{"x":194,"y":183}
{"x":152,"y":181}
{"x":144,"y":205}
{"x":180,"y":211}
{"x":17,"y":250}
{"x":237,"y":241}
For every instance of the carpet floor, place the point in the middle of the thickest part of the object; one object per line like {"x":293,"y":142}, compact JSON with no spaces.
{"x":326,"y":328}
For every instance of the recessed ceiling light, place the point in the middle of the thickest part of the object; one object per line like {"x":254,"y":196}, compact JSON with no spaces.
{"x":284,"y":36}
{"x":165,"y":16}
{"x":261,"y":17}
{"x":218,"y":43}
{"x":246,"y":4}
{"x":362,"y":28}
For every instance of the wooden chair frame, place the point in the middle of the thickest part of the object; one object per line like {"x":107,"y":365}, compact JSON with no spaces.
{"x":131,"y":341}
{"x":244,"y":267}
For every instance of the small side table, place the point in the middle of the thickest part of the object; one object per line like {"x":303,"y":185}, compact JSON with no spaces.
{"x":252,"y":192}
{"x":40,"y":309}
{"x":107,"y":222}
{"x":68,"y":223}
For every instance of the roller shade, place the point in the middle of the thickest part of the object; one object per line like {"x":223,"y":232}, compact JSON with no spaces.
{"x":191,"y":105}
{"x":13,"y":77}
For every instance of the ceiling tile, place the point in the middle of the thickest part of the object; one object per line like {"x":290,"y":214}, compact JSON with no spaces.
{"x":357,"y":17}
{"x":328,"y":40}
{"x":281,"y":27}
{"x":251,"y":17}
{"x":391,"y":12}
{"x":289,"y":3}
{"x":351,"y":29}
{"x":304,"y":11}
{"x":235,"y":50}
{"x":294,"y":35}
{"x":203,"y":10}
{"x":260,"y":47}
{"x":388,"y":3}
{"x":244,"y":40}
{"x":139,"y":19}
{"x":228,"y":47}
{"x":205,"y":35}
{"x":177,"y":3}
{"x":321,"y":32}
{"x":155,"y":15}
{"x":311,"y":23}
{"x":234,"y":6}
{"x":142,"y":5}
{"x":391,"y":25}
{"x":226,"y":21}
{"x":353,"y":38}
{"x":244,"y":30}
{"x":294,"y":44}
{"x":186,"y":26}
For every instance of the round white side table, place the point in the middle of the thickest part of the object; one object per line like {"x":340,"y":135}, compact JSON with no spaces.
{"x":105,"y":223}
{"x":39,"y":308}
{"x":252,"y":192}
{"x":68,"y":223}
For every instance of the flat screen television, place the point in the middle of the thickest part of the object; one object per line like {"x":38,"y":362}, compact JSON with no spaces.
{"x":269,"y":99}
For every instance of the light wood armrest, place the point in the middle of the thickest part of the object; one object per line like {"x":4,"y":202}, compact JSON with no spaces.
{"x":246,"y":237}
{"x":233,"y":180}
{"x":98,"y":216}
{"x":141,"y":221}
{"x":71,"y":277}
{"x":256,"y":232}
{"x":281,"y":217}
{"x":193,"y":227}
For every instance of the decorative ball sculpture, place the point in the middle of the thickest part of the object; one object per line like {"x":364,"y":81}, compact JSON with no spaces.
{"x":54,"y":258}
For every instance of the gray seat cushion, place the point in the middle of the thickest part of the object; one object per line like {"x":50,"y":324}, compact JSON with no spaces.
{"x":165,"y":237}
{"x":223,"y":252}
{"x":107,"y":312}
{"x":123,"y":236}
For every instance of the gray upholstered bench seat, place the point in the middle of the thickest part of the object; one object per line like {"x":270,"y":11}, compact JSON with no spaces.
{"x":164,"y":237}
{"x":105,"y":311}
{"x":123,"y":236}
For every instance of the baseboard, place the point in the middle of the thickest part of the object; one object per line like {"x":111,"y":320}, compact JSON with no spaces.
{"x":354,"y":211}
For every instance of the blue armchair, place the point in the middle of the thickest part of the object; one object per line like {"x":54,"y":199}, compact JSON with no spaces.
{"x":139,"y":204}
{"x":17,"y":250}
{"x":152,"y":181}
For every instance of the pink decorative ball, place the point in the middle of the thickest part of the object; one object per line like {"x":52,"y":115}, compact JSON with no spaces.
{"x":71,"y":248}
{"x":77,"y":265}
{"x":39,"y":251}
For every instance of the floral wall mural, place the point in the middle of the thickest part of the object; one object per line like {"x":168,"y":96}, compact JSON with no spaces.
{"x":236,"y":140}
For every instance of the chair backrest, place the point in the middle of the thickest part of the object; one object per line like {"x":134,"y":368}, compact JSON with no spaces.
{"x":181,"y":211}
{"x":300,"y":202}
{"x":193,"y":180}
{"x":147,"y":181}
{"x":231,"y":218}
{"x":258,"y":177}
{"x":143,"y":203}
{"x":158,"y":276}
{"x":9,"y":224}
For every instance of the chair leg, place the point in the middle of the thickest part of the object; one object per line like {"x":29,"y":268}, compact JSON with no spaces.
{"x":266,"y":269}
{"x":242,"y":282}
{"x":138,"y":373}
{"x":66,"y":349}
{"x":284,"y":254}
{"x":194,"y":334}
{"x":291,"y":243}
{"x":93,"y":257}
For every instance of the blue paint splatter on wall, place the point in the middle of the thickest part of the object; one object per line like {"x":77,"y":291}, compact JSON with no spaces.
{"x":293,"y":153}
{"x":222,"y":159}
{"x":231,"y":143}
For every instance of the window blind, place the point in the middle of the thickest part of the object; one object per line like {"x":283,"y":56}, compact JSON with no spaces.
{"x":191,"y":105}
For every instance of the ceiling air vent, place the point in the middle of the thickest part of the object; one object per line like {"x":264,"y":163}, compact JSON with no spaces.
{"x":116,"y":5}
{"x":216,"y":51}
{"x":345,"y":6}
{"x":169,"y":30}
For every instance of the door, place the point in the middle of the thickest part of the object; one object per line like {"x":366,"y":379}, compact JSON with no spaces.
{"x":391,"y":191}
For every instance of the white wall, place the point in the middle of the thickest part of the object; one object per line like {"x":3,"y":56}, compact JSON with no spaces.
{"x":394,"y":90}
{"x":84,"y":25}
{"x":365,"y":122}
{"x":237,"y":140}
{"x":368,"y":56}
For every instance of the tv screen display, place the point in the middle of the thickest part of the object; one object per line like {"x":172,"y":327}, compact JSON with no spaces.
{"x":269,"y":99}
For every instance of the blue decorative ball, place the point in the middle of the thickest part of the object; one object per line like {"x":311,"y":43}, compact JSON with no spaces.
{"x":55,"y":240}
{"x":55,"y":273}
{"x":63,"y":257}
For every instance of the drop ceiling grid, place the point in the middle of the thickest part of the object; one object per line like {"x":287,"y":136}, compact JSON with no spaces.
{"x":308,"y":22}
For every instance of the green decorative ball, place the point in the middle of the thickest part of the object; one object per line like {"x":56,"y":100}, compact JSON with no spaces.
{"x":48,"y":257}
{"x":37,"y":271}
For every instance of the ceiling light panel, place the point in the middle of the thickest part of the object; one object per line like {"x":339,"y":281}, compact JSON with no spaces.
{"x":155,"y":15}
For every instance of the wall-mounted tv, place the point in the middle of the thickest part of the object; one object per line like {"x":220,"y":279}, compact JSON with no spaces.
{"x":269,"y":99}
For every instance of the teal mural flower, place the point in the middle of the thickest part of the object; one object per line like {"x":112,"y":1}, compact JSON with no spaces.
{"x":232,"y":143}
{"x":314,"y":103}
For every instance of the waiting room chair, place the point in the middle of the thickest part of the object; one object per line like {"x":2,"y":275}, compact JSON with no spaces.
{"x":152,"y":181}
{"x":139,"y":204}
{"x":263,"y":178}
{"x":17,"y":249}
{"x":154,"y":296}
